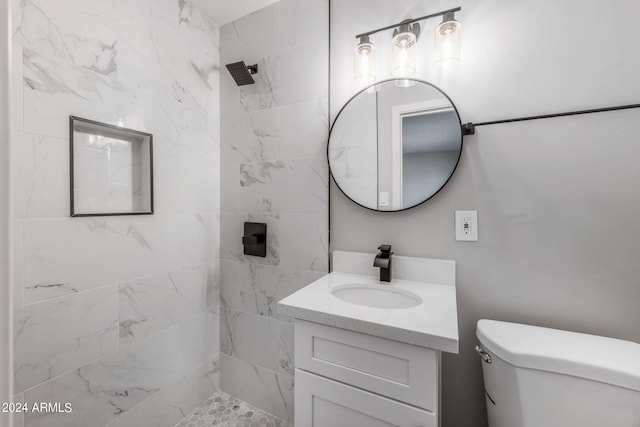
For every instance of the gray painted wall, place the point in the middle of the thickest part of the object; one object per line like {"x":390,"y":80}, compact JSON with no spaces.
{"x":557,"y":199}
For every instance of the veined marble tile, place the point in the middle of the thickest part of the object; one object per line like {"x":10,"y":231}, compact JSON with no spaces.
{"x":307,"y":186}
{"x":251,"y":137}
{"x":65,"y":256}
{"x":213,"y":224}
{"x":40,"y":176}
{"x":213,"y":286}
{"x":182,"y":120}
{"x":171,"y":404}
{"x":257,"y":386}
{"x":16,"y":88}
{"x":251,"y":37}
{"x":17,"y":259}
{"x":16,"y":14}
{"x":230,"y":187}
{"x":18,"y":418}
{"x":287,"y":348}
{"x":54,"y":89}
{"x":211,"y":220}
{"x":256,"y":288}
{"x":133,"y":21}
{"x":153,"y":303}
{"x":198,"y":340}
{"x":185,"y":183}
{"x":307,"y":231}
{"x":306,"y":23}
{"x":349,"y":157}
{"x":57,"y":336}
{"x":110,"y":386}
{"x":263,"y":186}
{"x":182,"y":133}
{"x":214,"y":111}
{"x":215,"y":187}
{"x":194,"y":70}
{"x":291,"y":85}
{"x":362,"y":189}
{"x":262,"y":94}
{"x":279,"y":80}
{"x":304,"y":130}
{"x":250,"y":337}
{"x":173,"y":20}
{"x":83,"y":35}
{"x":231,"y":232}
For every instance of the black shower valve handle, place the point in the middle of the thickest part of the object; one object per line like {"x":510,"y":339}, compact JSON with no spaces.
{"x":253,"y":239}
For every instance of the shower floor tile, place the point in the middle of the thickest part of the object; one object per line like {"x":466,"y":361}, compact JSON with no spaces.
{"x":223,"y":410}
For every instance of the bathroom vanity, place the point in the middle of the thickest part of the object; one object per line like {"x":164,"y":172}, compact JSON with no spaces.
{"x":368,"y":354}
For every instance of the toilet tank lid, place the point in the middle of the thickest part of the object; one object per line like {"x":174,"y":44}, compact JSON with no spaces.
{"x":592,"y":357}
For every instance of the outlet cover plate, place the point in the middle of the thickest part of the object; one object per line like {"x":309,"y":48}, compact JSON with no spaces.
{"x":467,"y":226}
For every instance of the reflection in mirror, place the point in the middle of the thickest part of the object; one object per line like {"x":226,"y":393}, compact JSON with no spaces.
{"x":394,"y":148}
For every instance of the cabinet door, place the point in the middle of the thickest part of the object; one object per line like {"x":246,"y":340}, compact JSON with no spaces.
{"x":397,"y":370}
{"x":321,"y":402}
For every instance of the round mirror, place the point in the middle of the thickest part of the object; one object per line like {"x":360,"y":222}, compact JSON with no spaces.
{"x":394,"y":145}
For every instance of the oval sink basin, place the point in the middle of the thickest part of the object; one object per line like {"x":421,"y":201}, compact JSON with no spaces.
{"x":380,"y":296}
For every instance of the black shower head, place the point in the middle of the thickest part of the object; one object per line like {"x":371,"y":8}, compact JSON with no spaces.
{"x":242,"y":72}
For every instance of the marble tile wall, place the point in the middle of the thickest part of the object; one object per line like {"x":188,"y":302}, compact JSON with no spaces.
{"x":116,"y":315}
{"x":274,"y":170}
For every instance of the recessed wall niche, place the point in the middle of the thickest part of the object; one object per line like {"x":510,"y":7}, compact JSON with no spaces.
{"x":111,"y":169}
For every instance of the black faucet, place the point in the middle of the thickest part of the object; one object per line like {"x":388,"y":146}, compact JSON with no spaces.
{"x":383,"y":260}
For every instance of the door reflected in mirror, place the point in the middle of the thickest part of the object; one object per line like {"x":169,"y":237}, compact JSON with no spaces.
{"x":395,"y":148}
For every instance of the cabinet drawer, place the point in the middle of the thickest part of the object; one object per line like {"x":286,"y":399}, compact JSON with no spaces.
{"x":321,"y":402}
{"x":390,"y":368}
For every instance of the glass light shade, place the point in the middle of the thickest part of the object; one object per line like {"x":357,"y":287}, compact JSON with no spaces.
{"x":404,"y":54}
{"x":364,"y":63}
{"x":447,"y":43}
{"x":404,"y":82}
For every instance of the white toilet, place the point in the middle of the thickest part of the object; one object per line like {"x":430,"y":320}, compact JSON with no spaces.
{"x":540,"y":377}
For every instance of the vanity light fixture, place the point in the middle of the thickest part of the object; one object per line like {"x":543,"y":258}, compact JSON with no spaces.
{"x":364,"y":65}
{"x":404,"y":42}
{"x":404,"y":45}
{"x":447,"y":40}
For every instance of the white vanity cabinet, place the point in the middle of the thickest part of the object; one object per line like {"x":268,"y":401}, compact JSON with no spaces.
{"x":349,"y":379}
{"x":367,"y":353}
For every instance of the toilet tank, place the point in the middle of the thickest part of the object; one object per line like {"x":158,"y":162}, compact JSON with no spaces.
{"x":546,"y":377}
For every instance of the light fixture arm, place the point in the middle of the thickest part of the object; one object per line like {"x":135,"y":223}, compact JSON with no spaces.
{"x":408,"y":25}
{"x":409,"y":21}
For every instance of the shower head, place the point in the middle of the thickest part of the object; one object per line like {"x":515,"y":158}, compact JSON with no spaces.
{"x":242,"y":72}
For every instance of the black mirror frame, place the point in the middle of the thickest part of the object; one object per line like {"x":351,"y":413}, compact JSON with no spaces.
{"x":452,"y":171}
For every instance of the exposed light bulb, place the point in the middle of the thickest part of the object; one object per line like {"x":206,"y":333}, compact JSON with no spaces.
{"x":364,"y":62}
{"x":403,"y":51}
{"x":447,"y":41}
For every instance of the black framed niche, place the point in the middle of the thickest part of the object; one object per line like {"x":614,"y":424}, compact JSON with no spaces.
{"x":111,"y":169}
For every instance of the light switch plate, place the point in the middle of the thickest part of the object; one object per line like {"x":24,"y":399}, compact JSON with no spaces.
{"x":467,"y":226}
{"x":384,"y":198}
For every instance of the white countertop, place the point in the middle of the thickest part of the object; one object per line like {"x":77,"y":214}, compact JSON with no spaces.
{"x":432,"y":324}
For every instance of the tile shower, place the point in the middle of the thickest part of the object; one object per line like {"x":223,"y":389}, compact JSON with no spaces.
{"x":121,"y":315}
{"x":274,"y":170}
{"x":117,"y":315}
